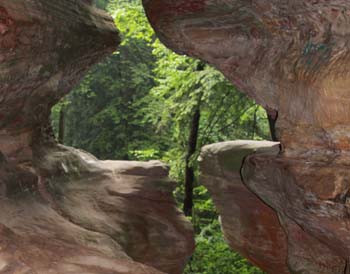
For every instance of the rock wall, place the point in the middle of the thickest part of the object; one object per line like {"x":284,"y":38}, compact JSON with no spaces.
{"x":89,"y":216}
{"x":291,"y":57}
{"x":273,"y":242}
{"x":249,"y":225}
{"x":62,"y":210}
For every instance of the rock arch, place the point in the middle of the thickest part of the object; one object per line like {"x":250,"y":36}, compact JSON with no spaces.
{"x":62,"y":210}
{"x":291,"y":57}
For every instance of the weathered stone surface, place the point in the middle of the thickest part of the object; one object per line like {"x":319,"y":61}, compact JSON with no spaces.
{"x":91,"y":216}
{"x":45,"y":49}
{"x":62,"y":210}
{"x":249,"y":225}
{"x":36,"y":255}
{"x":292,"y":57}
{"x":308,"y":255}
{"x":305,"y":192}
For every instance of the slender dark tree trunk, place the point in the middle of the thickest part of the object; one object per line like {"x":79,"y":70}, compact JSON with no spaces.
{"x":189,"y":170}
{"x":126,"y":130}
{"x":191,"y":150}
{"x":272,"y":116}
{"x":254,"y":123}
{"x":61,"y":126}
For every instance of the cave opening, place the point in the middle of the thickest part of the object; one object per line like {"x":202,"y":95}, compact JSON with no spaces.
{"x":285,"y":207}
{"x":144,"y":103}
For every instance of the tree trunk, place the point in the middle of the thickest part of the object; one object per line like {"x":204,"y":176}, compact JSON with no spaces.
{"x":254,"y":123}
{"x":272,"y":117}
{"x":61,"y":125}
{"x":189,"y":171}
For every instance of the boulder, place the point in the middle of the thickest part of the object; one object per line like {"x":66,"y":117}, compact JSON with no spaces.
{"x":249,"y":225}
{"x":89,"y":216}
{"x":271,"y":241}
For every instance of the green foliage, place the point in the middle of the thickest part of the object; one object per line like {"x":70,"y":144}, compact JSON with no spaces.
{"x":101,"y":4}
{"x":182,"y":84}
{"x":146,"y":154}
{"x":138,"y":105}
{"x":213,"y":256}
{"x":55,"y":114}
{"x":102,"y":112}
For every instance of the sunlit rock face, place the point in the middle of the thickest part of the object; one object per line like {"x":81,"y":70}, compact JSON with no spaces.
{"x":274,"y":243}
{"x":89,"y":216}
{"x":62,"y":210}
{"x":291,"y":57}
{"x":249,"y":225}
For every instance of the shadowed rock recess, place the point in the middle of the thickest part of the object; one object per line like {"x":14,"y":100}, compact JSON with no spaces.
{"x":62,"y":210}
{"x":293,"y":213}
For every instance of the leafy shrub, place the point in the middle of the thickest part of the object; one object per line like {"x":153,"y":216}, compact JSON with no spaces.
{"x":213,"y":255}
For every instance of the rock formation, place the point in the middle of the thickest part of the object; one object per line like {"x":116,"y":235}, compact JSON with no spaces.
{"x":291,"y":57}
{"x":249,"y":225}
{"x":62,"y":210}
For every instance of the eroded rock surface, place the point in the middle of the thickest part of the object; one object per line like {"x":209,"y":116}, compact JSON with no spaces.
{"x":271,"y":241}
{"x":249,"y":225}
{"x":91,"y":216}
{"x":45,"y":49}
{"x":62,"y":210}
{"x":292,"y":57}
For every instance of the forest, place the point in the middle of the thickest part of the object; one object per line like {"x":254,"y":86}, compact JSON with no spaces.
{"x":146,"y":102}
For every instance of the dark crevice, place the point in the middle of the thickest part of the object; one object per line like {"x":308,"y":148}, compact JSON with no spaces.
{"x":272,"y":116}
{"x":347,"y":266}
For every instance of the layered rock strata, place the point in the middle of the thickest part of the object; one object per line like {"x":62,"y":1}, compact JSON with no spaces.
{"x":249,"y":225}
{"x":291,"y":57}
{"x":88,"y":216}
{"x":274,"y":243}
{"x":62,"y":210}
